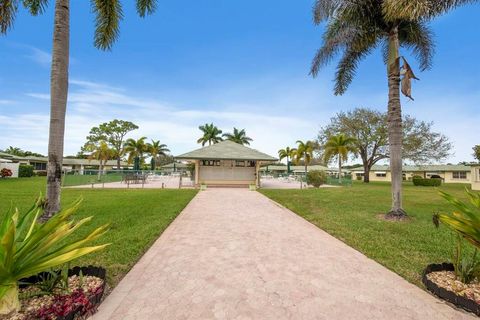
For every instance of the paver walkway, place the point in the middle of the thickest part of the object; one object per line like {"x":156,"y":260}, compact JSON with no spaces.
{"x":235,"y":254}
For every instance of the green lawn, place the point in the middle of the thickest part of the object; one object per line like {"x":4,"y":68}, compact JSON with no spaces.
{"x":351,"y":215}
{"x":136,"y":216}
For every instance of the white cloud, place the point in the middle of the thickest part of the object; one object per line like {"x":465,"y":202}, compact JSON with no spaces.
{"x":39,"y":56}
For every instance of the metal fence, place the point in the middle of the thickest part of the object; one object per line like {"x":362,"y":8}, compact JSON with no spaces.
{"x":126,"y":179}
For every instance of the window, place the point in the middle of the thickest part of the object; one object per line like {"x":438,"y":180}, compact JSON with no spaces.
{"x":460,"y":175}
{"x":381,"y":174}
{"x":250,"y":163}
{"x":39,"y":165}
{"x":210,"y":163}
{"x":239,"y":163}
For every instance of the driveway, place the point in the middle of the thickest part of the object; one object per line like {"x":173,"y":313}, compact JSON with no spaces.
{"x":235,"y":254}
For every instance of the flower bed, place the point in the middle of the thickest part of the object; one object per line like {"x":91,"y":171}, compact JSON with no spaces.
{"x":440,"y":280}
{"x":85,"y":290}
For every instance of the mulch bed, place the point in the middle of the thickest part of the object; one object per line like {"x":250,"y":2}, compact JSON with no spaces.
{"x":86,"y":286}
{"x":440,"y":280}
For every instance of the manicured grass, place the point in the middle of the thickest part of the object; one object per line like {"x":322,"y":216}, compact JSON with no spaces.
{"x":136,"y":217}
{"x":351,"y":215}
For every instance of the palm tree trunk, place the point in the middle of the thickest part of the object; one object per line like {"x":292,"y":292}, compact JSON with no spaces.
{"x":305,"y":162}
{"x":58,"y":105}
{"x":118,"y":163}
{"x":100,"y":170}
{"x":339,"y":169}
{"x":395,"y":132}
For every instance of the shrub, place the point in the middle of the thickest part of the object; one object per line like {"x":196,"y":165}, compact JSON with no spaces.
{"x":426,"y":182}
{"x":316,"y":178}
{"x":29,"y":247}
{"x":25,"y":171}
{"x":42,"y":173}
{"x":5,"y":173}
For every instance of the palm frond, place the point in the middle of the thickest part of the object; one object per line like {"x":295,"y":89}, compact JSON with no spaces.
{"x":418,"y":37}
{"x":107,"y":22}
{"x":418,"y":10}
{"x":146,"y":7}
{"x":324,"y":9}
{"x":8,"y":11}
{"x":35,"y":7}
{"x":346,"y":69}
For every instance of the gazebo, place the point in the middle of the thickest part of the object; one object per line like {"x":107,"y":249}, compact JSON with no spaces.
{"x":226,"y":164}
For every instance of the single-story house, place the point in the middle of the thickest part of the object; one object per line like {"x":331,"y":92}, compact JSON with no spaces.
{"x":448,"y":173}
{"x":475,"y":174}
{"x":226,"y":164}
{"x":300,"y":170}
{"x":40,"y":163}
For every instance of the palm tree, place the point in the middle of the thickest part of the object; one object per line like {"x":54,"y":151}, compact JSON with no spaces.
{"x":356,"y":28}
{"x":156,"y":149}
{"x":136,"y":150}
{"x":211,"y":134}
{"x":15,"y":151}
{"x":108,"y":15}
{"x":101,"y":152}
{"x":338,"y":146}
{"x":238,"y":136}
{"x":286,"y":153}
{"x":304,"y":151}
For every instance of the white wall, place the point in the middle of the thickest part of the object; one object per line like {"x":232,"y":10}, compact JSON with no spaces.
{"x":11,"y":166}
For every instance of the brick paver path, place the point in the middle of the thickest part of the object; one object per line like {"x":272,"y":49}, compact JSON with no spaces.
{"x":235,"y":254}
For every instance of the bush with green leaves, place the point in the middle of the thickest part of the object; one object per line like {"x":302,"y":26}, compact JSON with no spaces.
{"x":465,"y":221}
{"x":25,"y":171}
{"x":28,"y":247}
{"x":433,"y":182}
{"x":316,"y":178}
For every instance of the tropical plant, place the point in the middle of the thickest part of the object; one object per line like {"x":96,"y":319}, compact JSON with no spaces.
{"x":100,"y":151}
{"x":25,"y":171}
{"x":316,"y":178}
{"x":304,"y":151}
{"x":288,"y":154}
{"x":356,"y":28}
{"x":15,"y":151}
{"x":136,"y":150}
{"x":28,"y":247}
{"x":339,"y":146}
{"x":211,"y":134}
{"x":465,"y":219}
{"x":476,"y":152}
{"x":156,"y":149}
{"x":238,"y":136}
{"x":466,"y":268}
{"x":107,"y":21}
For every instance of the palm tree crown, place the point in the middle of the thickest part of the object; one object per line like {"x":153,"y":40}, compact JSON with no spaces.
{"x":156,"y":149}
{"x":136,"y":149}
{"x":285,"y":153}
{"x":304,"y":151}
{"x":238,"y":136}
{"x":211,"y":134}
{"x":339,"y":146}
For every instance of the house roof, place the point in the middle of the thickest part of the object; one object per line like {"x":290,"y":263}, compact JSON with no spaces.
{"x":419,"y":168}
{"x":300,"y":168}
{"x":226,"y":150}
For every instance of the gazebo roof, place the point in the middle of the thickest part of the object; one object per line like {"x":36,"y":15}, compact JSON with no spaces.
{"x":226,"y":150}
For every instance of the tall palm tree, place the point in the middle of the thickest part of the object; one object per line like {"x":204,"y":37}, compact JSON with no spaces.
{"x":156,"y":149}
{"x":108,"y":15}
{"x":211,"y":134}
{"x":355,"y":29}
{"x":238,"y":136}
{"x":339,"y":146}
{"x":15,"y":151}
{"x":304,"y":151}
{"x":136,"y":150}
{"x":288,"y":154}
{"x":101,"y":152}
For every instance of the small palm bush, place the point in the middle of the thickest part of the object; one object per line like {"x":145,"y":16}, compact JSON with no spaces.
{"x":28,"y":247}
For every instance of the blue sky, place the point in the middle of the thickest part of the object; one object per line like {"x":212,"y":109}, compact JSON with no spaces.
{"x":233,"y":63}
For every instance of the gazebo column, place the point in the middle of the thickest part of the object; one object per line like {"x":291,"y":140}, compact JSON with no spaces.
{"x":197,"y":168}
{"x":257,"y":171}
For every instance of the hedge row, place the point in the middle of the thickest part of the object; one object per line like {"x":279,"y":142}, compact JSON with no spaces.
{"x":433,"y":182}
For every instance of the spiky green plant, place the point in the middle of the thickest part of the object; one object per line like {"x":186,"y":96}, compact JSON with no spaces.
{"x":465,"y":219}
{"x":28,"y":247}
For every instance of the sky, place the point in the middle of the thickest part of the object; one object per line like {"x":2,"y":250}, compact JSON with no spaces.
{"x":234,"y":63}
